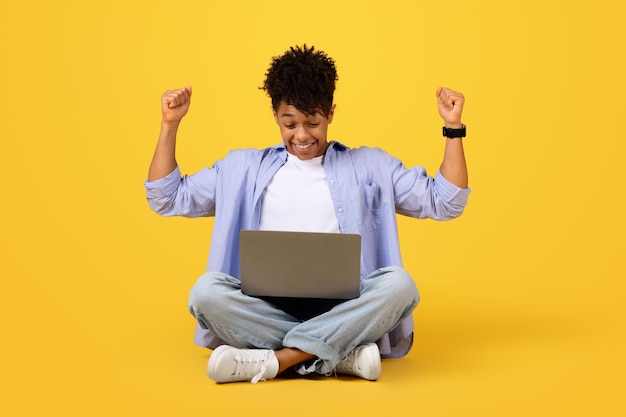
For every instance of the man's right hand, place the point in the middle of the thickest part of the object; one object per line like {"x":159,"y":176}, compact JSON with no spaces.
{"x":175,"y":104}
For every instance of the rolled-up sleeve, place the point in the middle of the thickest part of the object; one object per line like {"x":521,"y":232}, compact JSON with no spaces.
{"x":452,"y":199}
{"x":422,"y":196}
{"x":188,"y":196}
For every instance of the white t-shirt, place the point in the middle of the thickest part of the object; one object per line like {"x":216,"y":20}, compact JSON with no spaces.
{"x":298,"y":199}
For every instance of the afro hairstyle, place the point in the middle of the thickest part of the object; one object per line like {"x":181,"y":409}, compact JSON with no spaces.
{"x":304,"y":78}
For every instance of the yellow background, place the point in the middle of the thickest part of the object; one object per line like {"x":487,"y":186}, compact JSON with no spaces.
{"x":522,"y":310}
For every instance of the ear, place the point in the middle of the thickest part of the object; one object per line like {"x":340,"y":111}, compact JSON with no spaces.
{"x":331,"y":113}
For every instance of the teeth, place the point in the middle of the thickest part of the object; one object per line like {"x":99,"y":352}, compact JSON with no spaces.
{"x":303,"y":146}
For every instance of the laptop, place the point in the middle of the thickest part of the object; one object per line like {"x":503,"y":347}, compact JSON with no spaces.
{"x":300,"y":264}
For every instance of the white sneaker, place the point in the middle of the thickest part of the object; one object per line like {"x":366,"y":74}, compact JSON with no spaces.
{"x":229,"y":364}
{"x":364,"y":362}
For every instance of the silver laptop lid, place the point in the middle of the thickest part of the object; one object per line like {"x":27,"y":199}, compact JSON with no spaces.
{"x":300,"y":264}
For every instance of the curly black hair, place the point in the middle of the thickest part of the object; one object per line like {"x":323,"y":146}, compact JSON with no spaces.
{"x":304,"y":78}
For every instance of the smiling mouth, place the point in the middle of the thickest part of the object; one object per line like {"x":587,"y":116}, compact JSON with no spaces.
{"x":307,"y":146}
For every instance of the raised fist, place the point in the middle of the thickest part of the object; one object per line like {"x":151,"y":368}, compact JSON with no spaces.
{"x":175,"y":104}
{"x":450,"y":104}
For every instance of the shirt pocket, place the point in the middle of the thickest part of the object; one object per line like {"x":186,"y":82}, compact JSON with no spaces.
{"x":367,"y":201}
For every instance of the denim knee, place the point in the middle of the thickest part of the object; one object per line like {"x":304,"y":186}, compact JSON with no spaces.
{"x":209,"y":294}
{"x":397,"y":284}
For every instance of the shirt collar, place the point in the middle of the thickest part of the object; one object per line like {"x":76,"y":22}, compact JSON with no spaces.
{"x":332,"y":145}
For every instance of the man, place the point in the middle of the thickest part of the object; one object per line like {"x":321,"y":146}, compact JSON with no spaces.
{"x":307,"y":183}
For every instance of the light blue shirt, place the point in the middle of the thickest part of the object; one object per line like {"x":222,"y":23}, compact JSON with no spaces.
{"x":367,"y":186}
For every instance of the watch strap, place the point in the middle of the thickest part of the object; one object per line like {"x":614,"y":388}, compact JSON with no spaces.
{"x":454,"y":133}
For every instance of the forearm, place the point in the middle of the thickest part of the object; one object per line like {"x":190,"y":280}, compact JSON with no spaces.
{"x":454,"y":167}
{"x":164,"y":158}
{"x":174,"y":106}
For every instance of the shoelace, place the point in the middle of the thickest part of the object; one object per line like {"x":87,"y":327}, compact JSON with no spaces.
{"x":246,"y":366}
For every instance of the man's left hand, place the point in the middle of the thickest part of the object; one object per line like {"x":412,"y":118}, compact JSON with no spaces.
{"x":450,"y":104}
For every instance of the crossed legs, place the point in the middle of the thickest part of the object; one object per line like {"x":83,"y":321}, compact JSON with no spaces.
{"x":387,"y":297}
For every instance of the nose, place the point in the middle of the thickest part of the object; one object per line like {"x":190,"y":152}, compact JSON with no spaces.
{"x":301,"y":135}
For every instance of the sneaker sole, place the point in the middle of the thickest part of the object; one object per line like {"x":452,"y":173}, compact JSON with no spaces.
{"x":213,"y":361}
{"x":372,"y":356}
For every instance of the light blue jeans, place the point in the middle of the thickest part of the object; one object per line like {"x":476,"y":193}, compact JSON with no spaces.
{"x":388,"y":296}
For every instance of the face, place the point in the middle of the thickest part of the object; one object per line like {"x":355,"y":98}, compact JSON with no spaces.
{"x":304,"y":136}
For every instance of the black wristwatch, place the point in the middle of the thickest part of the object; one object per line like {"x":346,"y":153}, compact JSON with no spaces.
{"x":454,"y":133}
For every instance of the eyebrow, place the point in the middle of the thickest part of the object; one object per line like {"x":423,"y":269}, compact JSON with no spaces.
{"x":293,"y":115}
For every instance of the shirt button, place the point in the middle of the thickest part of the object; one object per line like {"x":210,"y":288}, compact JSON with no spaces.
{"x":332,"y":182}
{"x":340,"y":210}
